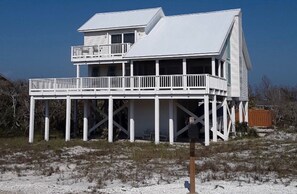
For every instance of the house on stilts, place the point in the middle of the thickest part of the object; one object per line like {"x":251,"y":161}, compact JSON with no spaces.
{"x":156,"y":70}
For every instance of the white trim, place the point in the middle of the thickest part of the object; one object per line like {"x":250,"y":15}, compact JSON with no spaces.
{"x":157,"y":120}
{"x":171,"y":122}
{"x":110,"y":119}
{"x":46,"y":121}
{"x":85,"y":120}
{"x":184,"y":63}
{"x":214,"y":119}
{"x":213,"y":66}
{"x":131,"y":121}
{"x":246,"y":110}
{"x":206,"y":119}
{"x":233,"y":116}
{"x":32,"y":116}
{"x":68,"y":118}
{"x":225,"y":124}
{"x":240,"y":112}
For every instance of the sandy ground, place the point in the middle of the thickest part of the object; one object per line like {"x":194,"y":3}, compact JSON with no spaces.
{"x":65,"y":182}
{"x":212,"y":187}
{"x":31,"y":186}
{"x":12,"y":184}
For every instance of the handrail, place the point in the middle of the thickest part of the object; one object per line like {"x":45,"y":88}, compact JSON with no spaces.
{"x":99,"y":51}
{"x":148,"y":82}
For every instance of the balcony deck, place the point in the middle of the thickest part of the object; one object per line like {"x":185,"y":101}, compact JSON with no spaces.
{"x":129,"y":86}
{"x":98,"y":52}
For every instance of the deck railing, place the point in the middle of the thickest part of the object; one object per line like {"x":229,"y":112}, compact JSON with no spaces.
{"x":99,"y":51}
{"x":162,"y":82}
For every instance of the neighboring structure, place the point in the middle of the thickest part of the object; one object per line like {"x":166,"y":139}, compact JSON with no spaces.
{"x":162,"y":69}
{"x":4,"y":83}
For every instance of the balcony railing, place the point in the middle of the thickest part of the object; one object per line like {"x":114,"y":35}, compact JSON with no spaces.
{"x":97,"y":52}
{"x":56,"y":86}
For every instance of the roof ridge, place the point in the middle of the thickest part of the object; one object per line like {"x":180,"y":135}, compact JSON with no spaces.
{"x":133,"y":10}
{"x":209,"y":12}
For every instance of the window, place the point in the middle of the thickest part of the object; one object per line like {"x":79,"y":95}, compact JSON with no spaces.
{"x":129,"y":38}
{"x":123,"y":38}
{"x":118,"y":39}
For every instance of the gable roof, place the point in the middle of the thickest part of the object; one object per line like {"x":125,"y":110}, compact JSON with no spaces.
{"x":120,"y":20}
{"x":191,"y":34}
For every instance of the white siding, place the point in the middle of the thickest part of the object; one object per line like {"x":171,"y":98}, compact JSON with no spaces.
{"x":95,"y":38}
{"x":243,"y":81}
{"x":99,"y":38}
{"x":235,"y":55}
{"x":140,"y":34}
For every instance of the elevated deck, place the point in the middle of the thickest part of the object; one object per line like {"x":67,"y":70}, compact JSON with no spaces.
{"x":185,"y":86}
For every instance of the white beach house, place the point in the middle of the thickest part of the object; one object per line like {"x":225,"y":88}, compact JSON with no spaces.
{"x":160,"y":70}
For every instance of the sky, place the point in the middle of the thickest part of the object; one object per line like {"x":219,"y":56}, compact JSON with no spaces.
{"x":36,"y":35}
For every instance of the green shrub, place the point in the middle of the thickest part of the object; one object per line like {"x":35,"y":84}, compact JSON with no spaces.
{"x":243,"y":130}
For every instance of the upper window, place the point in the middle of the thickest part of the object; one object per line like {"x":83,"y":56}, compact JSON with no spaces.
{"x":129,"y":38}
{"x":123,"y":38}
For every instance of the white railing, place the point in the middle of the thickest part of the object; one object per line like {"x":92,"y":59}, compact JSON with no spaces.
{"x":163,"y":82}
{"x":99,"y":51}
{"x":217,"y":83}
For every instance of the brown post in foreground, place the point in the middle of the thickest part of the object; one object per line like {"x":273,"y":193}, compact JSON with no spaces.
{"x":192,"y":167}
{"x":193,"y":134}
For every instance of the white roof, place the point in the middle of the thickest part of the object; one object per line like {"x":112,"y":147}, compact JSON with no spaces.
{"x":120,"y":20}
{"x":191,"y":34}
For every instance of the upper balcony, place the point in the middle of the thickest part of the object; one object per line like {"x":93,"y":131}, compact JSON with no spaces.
{"x":130,"y":86}
{"x":99,"y":52}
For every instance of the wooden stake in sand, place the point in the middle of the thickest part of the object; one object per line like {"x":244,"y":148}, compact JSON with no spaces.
{"x":193,"y":136}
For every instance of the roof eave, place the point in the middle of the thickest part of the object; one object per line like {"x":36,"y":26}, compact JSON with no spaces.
{"x":246,"y":54}
{"x":114,"y":28}
{"x":190,"y":55}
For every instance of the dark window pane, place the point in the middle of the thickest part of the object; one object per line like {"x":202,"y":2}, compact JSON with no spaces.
{"x":116,"y":38}
{"x":129,"y":38}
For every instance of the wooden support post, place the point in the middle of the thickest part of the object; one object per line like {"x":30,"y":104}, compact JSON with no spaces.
{"x":32,"y":116}
{"x":157,"y":74}
{"x":110,"y":119}
{"x":240,"y":112}
{"x":224,"y":69}
{"x":157,"y":120}
{"x":214,"y":119}
{"x":123,"y":76}
{"x":233,"y":116}
{"x":219,"y":68}
{"x":225,"y":124}
{"x":206,"y":119}
{"x":86,"y":122}
{"x":131,"y":75}
{"x":75,"y":130}
{"x":213,"y":66}
{"x":175,"y":120}
{"x":131,"y":120}
{"x":192,"y":167}
{"x":46,"y":122}
{"x":246,"y":110}
{"x":68,"y":118}
{"x":77,"y":76}
{"x":78,"y":71}
{"x":184,"y":73}
{"x":171,"y":126}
